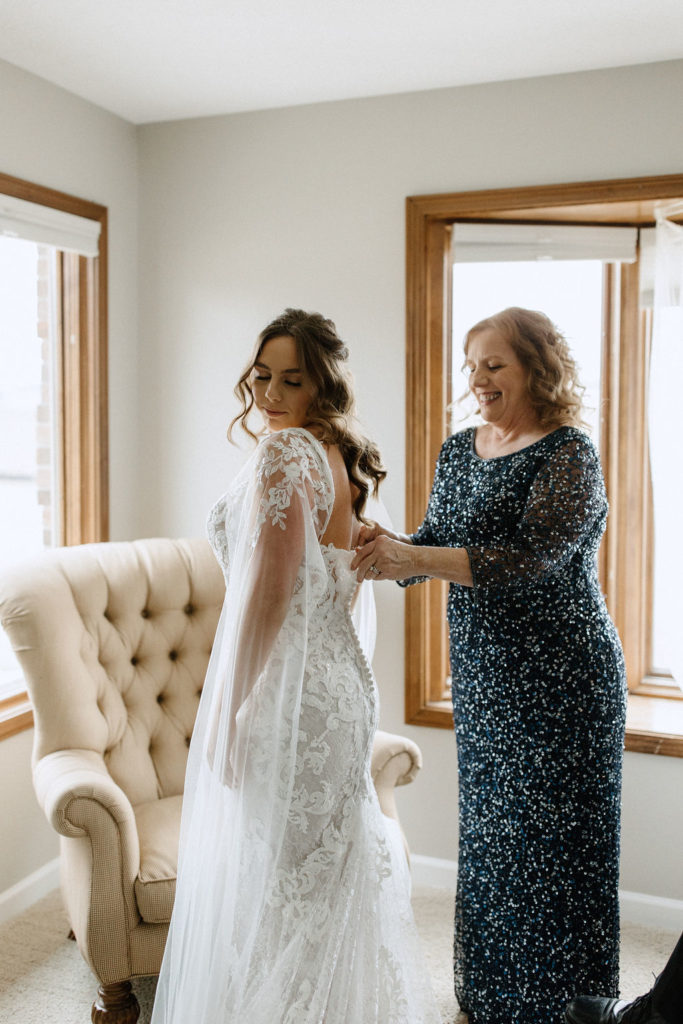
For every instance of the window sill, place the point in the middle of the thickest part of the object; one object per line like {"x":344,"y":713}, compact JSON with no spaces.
{"x":15,"y":715}
{"x":654,"y":725}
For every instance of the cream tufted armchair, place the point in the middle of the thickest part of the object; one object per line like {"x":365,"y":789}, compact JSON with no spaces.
{"x":114,"y":641}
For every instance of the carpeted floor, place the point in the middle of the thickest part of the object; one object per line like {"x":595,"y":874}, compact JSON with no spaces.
{"x":44,"y":979}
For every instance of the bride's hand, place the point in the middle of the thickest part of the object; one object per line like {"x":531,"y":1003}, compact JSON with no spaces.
{"x":368,"y":531}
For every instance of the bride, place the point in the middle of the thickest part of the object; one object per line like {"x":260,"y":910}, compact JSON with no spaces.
{"x":292,"y":903}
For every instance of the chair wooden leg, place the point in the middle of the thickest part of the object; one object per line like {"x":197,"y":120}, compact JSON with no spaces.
{"x":115,"y":1004}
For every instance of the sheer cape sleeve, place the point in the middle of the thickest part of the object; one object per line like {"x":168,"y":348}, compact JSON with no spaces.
{"x":241,"y":762}
{"x":273,"y":543}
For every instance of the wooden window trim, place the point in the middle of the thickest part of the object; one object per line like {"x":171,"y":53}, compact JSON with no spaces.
{"x":655,"y":715}
{"x":81,"y":394}
{"x":15,"y":715}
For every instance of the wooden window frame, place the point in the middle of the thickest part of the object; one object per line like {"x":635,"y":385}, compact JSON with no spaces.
{"x":655,"y":716}
{"x":82,"y":393}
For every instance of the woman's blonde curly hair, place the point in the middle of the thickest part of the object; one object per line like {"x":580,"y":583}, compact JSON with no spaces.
{"x":552,"y":374}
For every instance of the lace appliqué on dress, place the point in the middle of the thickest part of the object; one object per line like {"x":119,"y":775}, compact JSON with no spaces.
{"x":291,"y":464}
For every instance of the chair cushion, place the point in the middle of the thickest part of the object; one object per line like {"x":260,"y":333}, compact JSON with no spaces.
{"x":158,"y":830}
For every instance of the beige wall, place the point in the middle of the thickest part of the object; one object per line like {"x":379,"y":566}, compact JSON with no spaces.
{"x":28,"y":842}
{"x":52,"y":138}
{"x":243,"y":215}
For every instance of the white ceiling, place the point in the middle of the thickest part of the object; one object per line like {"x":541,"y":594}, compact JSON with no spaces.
{"x":157,"y":60}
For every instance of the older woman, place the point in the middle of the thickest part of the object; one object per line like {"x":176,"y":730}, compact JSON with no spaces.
{"x":514,"y":520}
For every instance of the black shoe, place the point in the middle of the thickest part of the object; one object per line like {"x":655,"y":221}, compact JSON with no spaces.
{"x":594,"y":1010}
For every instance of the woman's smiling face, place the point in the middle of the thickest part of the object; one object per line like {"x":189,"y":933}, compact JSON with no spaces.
{"x":282,"y":390}
{"x":497,"y":378}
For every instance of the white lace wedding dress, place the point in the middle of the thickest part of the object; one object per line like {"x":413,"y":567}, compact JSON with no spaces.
{"x":292,"y":902}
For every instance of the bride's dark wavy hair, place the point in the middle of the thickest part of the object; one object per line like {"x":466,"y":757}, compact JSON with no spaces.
{"x":322,"y":356}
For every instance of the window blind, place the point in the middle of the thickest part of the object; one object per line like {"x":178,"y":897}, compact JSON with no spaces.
{"x":502,"y":243}
{"x":37,"y":223}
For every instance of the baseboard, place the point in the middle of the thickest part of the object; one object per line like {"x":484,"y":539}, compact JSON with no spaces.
{"x":433,"y":871}
{"x":653,"y":911}
{"x":437,"y":873}
{"x":636,"y":907}
{"x":30,"y":889}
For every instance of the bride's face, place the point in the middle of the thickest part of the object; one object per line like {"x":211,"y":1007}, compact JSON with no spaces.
{"x":282,"y":391}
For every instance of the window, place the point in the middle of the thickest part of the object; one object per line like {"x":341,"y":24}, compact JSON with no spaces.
{"x":29,"y":438}
{"x":53,"y":391}
{"x":626,"y":553}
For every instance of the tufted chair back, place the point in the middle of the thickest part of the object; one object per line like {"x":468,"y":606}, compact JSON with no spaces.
{"x":123,"y":634}
{"x":114,"y":642}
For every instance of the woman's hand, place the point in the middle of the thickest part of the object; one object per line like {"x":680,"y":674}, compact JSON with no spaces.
{"x":384,"y":555}
{"x":381,"y":557}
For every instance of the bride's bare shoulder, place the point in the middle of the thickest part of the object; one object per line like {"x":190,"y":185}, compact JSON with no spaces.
{"x":340,"y":527}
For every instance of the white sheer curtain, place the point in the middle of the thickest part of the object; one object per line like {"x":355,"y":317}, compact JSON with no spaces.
{"x":666,"y":437}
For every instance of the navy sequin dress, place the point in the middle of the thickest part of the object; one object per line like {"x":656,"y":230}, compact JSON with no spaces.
{"x":539,"y":708}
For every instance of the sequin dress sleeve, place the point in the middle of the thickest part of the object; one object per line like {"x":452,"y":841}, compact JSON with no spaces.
{"x":566,"y":499}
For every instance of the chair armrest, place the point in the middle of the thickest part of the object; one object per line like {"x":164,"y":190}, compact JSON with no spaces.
{"x":80,"y":798}
{"x":396,"y":760}
{"x":101,"y":855}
